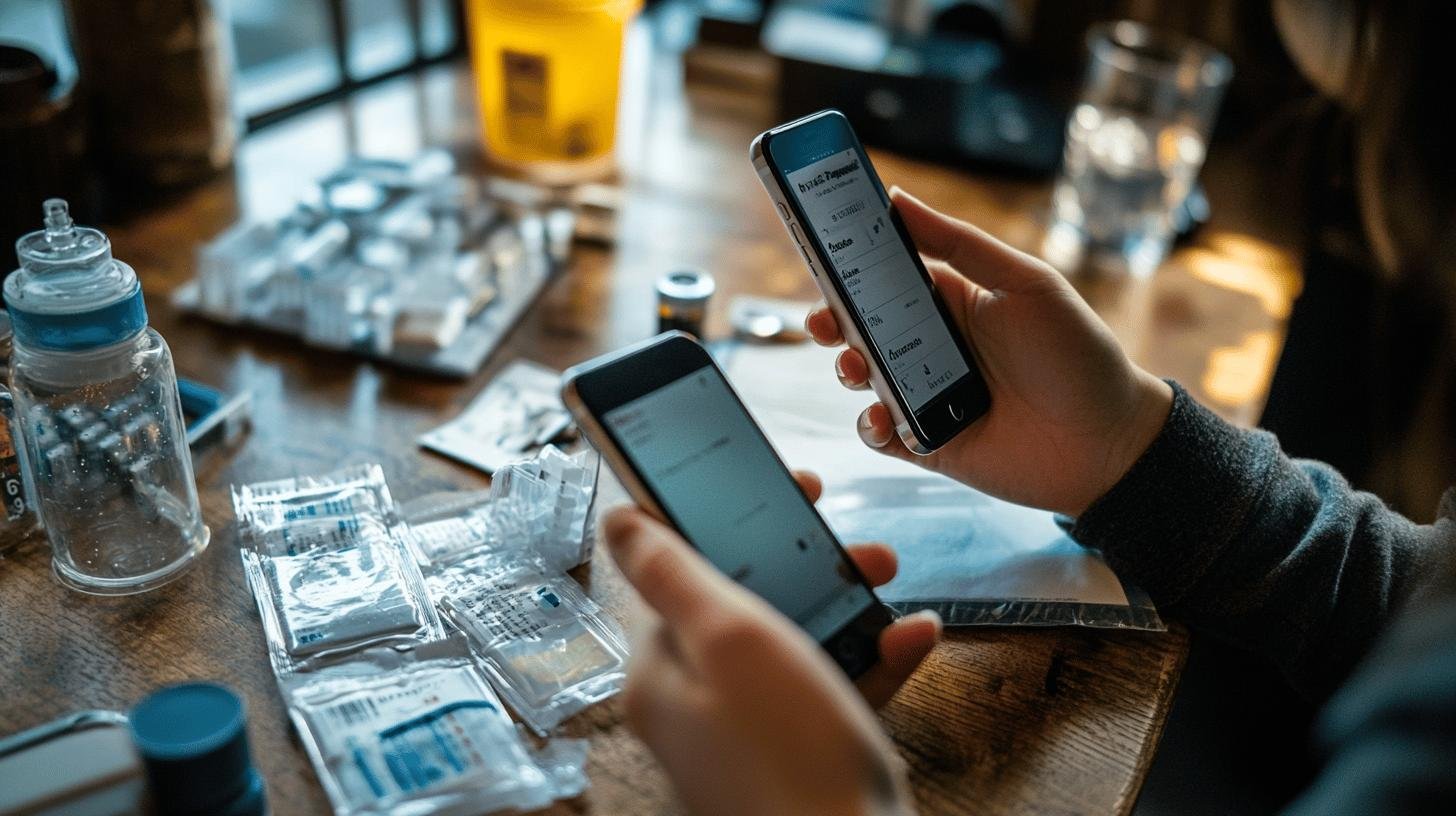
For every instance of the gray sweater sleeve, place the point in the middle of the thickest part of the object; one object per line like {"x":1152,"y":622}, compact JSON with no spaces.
{"x":1280,"y":556}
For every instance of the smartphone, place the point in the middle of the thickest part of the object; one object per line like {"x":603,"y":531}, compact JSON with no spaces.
{"x":671,"y":427}
{"x":836,"y":210}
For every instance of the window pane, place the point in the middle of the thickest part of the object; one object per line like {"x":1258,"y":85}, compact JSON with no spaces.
{"x":283,"y":52}
{"x":437,"y":26}
{"x":39,"y":26}
{"x":379,"y":37}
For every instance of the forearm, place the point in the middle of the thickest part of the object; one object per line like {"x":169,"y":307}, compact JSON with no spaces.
{"x":1226,"y":532}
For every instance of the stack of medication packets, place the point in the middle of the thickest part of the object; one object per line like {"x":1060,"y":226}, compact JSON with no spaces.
{"x":394,"y":712}
{"x":408,"y":261}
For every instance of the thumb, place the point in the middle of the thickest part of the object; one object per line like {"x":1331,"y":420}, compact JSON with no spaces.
{"x":973,"y":252}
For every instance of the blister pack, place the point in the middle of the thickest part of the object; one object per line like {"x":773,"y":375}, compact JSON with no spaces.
{"x":545,"y":502}
{"x":419,"y":733}
{"x":548,"y":648}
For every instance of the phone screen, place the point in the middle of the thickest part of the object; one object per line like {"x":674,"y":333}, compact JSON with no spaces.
{"x":850,"y":217}
{"x":723,"y":486}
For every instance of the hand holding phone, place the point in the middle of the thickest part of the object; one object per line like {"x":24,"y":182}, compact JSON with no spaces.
{"x":666,"y":420}
{"x":1071,"y":412}
{"x":855,"y":245}
{"x":720,"y":674}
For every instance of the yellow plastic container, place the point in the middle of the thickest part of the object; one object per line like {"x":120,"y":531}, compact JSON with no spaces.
{"x":547,"y":75}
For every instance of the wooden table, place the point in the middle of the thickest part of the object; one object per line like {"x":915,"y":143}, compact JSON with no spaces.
{"x":998,"y":721}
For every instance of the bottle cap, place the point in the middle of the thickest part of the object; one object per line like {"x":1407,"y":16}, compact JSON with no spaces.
{"x":69,"y":293}
{"x":688,"y":286}
{"x":195,"y":746}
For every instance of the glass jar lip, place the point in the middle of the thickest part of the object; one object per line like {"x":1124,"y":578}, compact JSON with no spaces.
{"x":1138,"y":48}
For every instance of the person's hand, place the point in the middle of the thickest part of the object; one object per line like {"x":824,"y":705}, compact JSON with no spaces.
{"x":1070,"y":414}
{"x":744,"y":711}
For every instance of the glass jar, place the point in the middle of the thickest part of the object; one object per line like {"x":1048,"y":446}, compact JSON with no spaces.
{"x":95,"y":394}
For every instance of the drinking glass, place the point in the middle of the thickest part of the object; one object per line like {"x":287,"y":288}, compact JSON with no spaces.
{"x":1135,"y":142}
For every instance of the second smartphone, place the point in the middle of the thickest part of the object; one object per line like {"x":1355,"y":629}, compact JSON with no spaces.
{"x":861,"y":255}
{"x":664,"y":417}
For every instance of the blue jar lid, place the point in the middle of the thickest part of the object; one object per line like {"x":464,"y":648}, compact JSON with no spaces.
{"x":69,"y":293}
{"x":194,"y":744}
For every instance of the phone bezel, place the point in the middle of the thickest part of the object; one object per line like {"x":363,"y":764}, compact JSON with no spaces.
{"x":599,"y":386}
{"x":932,"y":425}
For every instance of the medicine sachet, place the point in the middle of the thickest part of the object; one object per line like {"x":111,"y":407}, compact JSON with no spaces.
{"x":426,"y":736}
{"x":328,"y":570}
{"x":549,"y":649}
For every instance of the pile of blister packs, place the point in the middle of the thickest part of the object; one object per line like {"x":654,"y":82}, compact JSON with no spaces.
{"x":414,"y":262}
{"x":397,"y":706}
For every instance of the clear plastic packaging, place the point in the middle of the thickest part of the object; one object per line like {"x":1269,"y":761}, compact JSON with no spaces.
{"x":547,"y":647}
{"x":419,"y":733}
{"x":329,"y":570}
{"x":546,"y":503}
{"x":346,"y":492}
{"x":496,"y":568}
{"x":407,"y":261}
{"x":397,"y":717}
{"x":320,"y":604}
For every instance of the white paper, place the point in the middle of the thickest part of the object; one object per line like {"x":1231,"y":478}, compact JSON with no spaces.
{"x":954,"y":543}
{"x":518,"y":411}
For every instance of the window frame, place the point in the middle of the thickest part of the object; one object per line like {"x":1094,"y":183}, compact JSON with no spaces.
{"x":340,"y":37}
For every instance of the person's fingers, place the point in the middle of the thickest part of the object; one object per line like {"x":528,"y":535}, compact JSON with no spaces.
{"x":876,"y":561}
{"x":822,"y":326}
{"x":874,"y":426}
{"x":972,"y":251}
{"x":852,"y":370}
{"x":877,"y":430}
{"x":657,"y":686}
{"x":903,"y":646}
{"x":680,"y":586}
{"x":810,"y":483}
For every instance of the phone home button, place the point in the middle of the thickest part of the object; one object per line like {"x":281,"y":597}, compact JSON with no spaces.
{"x":956,"y":412}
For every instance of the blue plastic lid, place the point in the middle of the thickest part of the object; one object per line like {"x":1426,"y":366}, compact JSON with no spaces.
{"x":69,"y":293}
{"x":195,"y":746}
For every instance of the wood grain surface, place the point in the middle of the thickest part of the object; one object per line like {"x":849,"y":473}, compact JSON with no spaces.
{"x":999,"y":721}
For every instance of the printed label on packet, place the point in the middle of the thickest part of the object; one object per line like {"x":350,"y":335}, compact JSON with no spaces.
{"x":514,"y":612}
{"x":324,"y":535}
{"x":405,"y":738}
